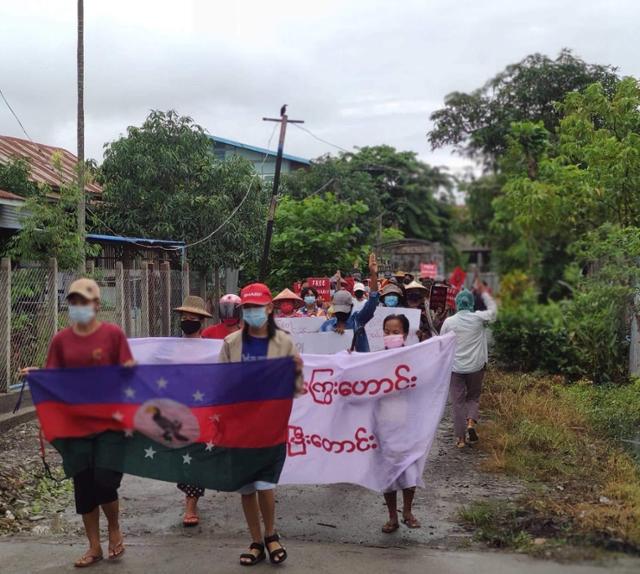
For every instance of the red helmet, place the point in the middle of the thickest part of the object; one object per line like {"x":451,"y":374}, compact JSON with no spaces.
{"x":230,"y":309}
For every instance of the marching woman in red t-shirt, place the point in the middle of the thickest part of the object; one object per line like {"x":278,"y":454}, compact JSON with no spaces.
{"x":89,"y":342}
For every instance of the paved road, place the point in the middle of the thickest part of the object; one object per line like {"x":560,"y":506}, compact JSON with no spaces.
{"x":170,"y":555}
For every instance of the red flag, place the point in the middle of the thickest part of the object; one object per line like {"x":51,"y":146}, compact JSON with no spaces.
{"x":457,"y":278}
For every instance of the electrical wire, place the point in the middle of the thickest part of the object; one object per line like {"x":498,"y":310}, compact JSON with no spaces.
{"x":314,"y":136}
{"x":182,"y":247}
{"x":246,"y":195}
{"x":217,"y":229}
{"x":15,"y":115}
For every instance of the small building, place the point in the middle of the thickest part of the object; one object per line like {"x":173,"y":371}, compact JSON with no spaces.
{"x":224,"y":148}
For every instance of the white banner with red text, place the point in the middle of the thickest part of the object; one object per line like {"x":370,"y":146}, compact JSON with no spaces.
{"x":363,"y":418}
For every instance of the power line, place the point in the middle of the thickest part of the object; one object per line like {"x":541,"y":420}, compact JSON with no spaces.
{"x":314,"y":136}
{"x":210,"y":235}
{"x":15,"y":115}
{"x":197,"y":242}
{"x":246,"y":195}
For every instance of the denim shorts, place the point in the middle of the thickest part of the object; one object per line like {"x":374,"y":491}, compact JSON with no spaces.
{"x":258,"y":485}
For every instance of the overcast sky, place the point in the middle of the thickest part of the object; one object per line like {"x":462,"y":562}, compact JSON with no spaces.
{"x":359,"y":72}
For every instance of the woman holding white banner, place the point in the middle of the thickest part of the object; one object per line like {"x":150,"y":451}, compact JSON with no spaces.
{"x":260,"y":338}
{"x":392,"y":415}
{"x":345,"y":318}
{"x":192,"y":314}
{"x":470,"y":361}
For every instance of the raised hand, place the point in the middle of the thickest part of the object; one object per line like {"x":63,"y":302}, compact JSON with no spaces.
{"x":373,"y":263}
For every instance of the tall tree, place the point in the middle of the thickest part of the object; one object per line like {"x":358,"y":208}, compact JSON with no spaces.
{"x":162,"y":181}
{"x":399,"y":190}
{"x":477,"y":123}
{"x":557,"y":193}
{"x":315,"y":236}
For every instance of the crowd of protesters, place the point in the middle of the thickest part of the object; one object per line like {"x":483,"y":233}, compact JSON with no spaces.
{"x":247,"y":324}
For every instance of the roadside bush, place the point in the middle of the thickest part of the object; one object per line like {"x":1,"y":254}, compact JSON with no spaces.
{"x":533,"y":338}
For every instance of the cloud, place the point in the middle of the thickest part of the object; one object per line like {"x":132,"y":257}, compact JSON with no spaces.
{"x":362,"y":72}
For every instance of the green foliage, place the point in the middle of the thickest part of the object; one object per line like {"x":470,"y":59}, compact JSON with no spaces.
{"x":556,"y":194}
{"x":613,"y":410}
{"x":604,"y":301}
{"x":400,"y":191}
{"x":14,"y":177}
{"x":477,"y":124}
{"x":586,"y":335}
{"x":162,"y":181}
{"x":314,"y":236}
{"x":516,"y":289}
{"x":534,"y":338}
{"x":49,"y":221}
{"x":479,"y":193}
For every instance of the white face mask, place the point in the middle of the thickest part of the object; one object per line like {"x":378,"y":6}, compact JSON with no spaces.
{"x":393,"y":341}
{"x":81,"y":314}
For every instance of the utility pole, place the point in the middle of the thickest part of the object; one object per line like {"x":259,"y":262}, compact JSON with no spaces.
{"x":284,"y":120}
{"x":80,"y":133}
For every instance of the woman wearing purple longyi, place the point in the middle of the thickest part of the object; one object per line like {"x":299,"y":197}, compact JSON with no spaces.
{"x":260,"y":338}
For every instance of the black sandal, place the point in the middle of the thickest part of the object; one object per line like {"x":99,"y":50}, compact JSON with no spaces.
{"x":279,"y":555}
{"x":252,"y":559}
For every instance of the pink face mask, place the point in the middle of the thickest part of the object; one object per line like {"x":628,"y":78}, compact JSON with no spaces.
{"x":393,"y":341}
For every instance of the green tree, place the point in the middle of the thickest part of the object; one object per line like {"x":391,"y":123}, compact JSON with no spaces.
{"x":49,"y":229}
{"x":47,"y":218}
{"x":556,"y":193}
{"x":477,"y":124}
{"x":315,"y":236}
{"x":15,"y":177}
{"x":605,"y":299}
{"x":400,"y":191}
{"x":162,"y":181}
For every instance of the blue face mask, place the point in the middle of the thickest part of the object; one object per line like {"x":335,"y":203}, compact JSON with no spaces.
{"x":391,"y":301}
{"x":255,"y":316}
{"x":310,"y":300}
{"x":81,"y":314}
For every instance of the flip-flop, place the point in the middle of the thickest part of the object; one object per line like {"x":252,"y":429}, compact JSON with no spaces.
{"x":411,"y":522}
{"x":190,"y":520}
{"x":116,"y":551}
{"x":390,"y":527}
{"x":87,"y":560}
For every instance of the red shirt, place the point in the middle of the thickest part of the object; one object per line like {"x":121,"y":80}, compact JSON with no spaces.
{"x":217,"y":331}
{"x":107,"y":345}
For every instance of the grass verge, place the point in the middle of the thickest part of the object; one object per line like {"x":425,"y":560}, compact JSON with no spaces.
{"x":583,"y":487}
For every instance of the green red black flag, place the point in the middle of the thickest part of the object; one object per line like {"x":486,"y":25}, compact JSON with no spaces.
{"x":218,"y":426}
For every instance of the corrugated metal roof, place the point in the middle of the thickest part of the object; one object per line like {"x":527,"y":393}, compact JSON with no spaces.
{"x":122,"y":239}
{"x":261,"y":150}
{"x":11,"y":196}
{"x":40,"y":157}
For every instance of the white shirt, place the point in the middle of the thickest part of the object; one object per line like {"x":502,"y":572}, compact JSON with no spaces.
{"x":358,"y":305}
{"x":471,"y":336}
